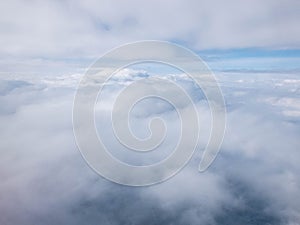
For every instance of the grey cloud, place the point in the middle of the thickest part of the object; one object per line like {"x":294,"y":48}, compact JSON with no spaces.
{"x":87,"y":28}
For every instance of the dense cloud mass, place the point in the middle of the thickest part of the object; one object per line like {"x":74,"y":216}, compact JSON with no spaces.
{"x":254,"y":180}
{"x":252,"y":46}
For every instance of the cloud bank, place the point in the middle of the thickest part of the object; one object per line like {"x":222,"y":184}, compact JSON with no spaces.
{"x":255,"y":179}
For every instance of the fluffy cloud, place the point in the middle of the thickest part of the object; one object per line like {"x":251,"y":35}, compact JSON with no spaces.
{"x":45,"y":48}
{"x":255,"y":179}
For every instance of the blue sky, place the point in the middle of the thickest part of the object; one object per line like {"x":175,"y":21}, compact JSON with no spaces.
{"x":253,"y":60}
{"x":219,"y":60}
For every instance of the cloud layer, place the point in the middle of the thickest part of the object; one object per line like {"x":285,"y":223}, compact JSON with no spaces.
{"x":255,"y":179}
{"x":80,"y":29}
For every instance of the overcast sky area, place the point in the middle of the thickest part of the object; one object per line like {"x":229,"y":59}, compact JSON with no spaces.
{"x":253,"y":48}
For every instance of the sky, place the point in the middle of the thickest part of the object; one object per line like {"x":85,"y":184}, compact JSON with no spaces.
{"x":252,"y":47}
{"x":65,"y":35}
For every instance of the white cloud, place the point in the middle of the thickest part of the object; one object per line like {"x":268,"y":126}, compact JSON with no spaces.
{"x":256,"y":173}
{"x":89,"y":28}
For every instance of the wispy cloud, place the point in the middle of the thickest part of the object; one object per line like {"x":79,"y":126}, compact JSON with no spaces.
{"x":73,"y":29}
